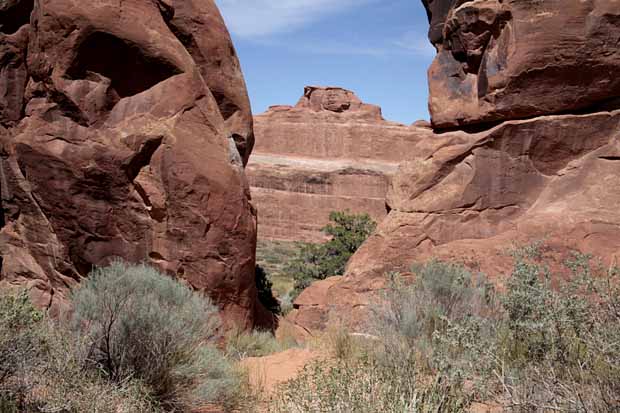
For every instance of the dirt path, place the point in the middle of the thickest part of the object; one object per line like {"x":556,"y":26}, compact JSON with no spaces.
{"x":266,"y":373}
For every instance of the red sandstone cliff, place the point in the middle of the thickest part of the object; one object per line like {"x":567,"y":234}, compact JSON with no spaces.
{"x":534,"y":87}
{"x":124,"y":131}
{"x":329,"y":152}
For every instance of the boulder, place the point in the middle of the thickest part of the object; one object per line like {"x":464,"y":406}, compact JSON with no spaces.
{"x":499,"y":60}
{"x":125,"y":131}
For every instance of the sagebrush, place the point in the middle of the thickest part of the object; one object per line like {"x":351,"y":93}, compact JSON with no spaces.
{"x":42,"y":371}
{"x":140,"y":324}
{"x":446,"y":338}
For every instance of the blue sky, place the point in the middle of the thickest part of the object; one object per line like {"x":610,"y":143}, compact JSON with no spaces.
{"x":377,"y":48}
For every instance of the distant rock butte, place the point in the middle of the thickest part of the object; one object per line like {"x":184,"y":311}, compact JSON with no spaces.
{"x":329,"y":152}
{"x":529,"y":93}
{"x":124,"y":131}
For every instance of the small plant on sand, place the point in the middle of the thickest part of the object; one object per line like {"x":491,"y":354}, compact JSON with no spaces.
{"x":366,"y":385}
{"x":241,"y":344}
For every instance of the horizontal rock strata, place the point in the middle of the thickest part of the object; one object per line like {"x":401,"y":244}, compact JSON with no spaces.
{"x":329,"y":152}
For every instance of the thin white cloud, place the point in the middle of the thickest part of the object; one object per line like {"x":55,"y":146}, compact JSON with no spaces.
{"x":408,"y":43}
{"x":259,"y":18}
{"x":415,"y":43}
{"x":342,"y":49}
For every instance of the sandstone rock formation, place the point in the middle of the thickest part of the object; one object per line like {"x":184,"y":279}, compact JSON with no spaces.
{"x":124,"y":132}
{"x":329,"y":152}
{"x":515,"y":59}
{"x":548,"y":171}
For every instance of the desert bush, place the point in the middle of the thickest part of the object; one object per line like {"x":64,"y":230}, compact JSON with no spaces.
{"x":19,"y":333}
{"x":562,"y":346}
{"x":265,"y":291}
{"x":553,"y":349}
{"x":41,"y":371}
{"x":415,"y":320}
{"x":447,"y":338}
{"x":140,"y":324}
{"x":440,"y":294}
{"x":20,"y":342}
{"x":319,"y":261}
{"x":392,"y":369}
{"x":286,"y":303}
{"x":342,"y":344}
{"x":366,"y":385}
{"x":241,"y":343}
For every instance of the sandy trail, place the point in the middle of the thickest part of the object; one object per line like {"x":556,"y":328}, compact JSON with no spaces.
{"x":267,"y":373}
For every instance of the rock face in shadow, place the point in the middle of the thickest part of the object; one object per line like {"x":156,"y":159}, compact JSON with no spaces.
{"x":125,"y":128}
{"x":471,"y":194}
{"x":330,"y":152}
{"x":515,"y":59}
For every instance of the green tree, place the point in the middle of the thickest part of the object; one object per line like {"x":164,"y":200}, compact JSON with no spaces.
{"x":319,"y":261}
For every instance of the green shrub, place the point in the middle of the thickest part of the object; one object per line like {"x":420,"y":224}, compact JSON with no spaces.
{"x":241,"y":344}
{"x":530,"y":348}
{"x":414,"y":317}
{"x":140,"y":324}
{"x":440,"y":294}
{"x":20,"y":343}
{"x":551,"y":349}
{"x":447,"y":339}
{"x":393,"y":370}
{"x":562,"y":346}
{"x":19,"y":333}
{"x":319,"y":261}
{"x":265,"y":291}
{"x":348,"y":232}
{"x":41,"y":371}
